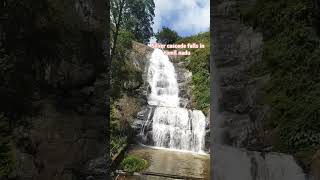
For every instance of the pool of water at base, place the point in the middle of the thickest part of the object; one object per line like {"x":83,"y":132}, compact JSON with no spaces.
{"x":171,"y":162}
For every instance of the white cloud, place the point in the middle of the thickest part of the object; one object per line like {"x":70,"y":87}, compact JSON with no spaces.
{"x":189,"y":15}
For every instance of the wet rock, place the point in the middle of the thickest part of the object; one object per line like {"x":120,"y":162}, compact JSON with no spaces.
{"x":315,"y":166}
{"x":234,"y":163}
{"x":237,"y":47}
{"x":239,"y":111}
{"x":90,"y":178}
{"x":96,"y":168}
{"x":184,"y":83}
{"x":131,"y":85}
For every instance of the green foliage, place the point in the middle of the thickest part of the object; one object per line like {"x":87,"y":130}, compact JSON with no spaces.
{"x":122,"y":68}
{"x":125,"y":40}
{"x":135,"y":16}
{"x":130,"y":21}
{"x":123,"y":111}
{"x":291,"y":55}
{"x":141,"y":19}
{"x":116,"y":142}
{"x":199,"y":65}
{"x":134,"y":164}
{"x":119,"y":70}
{"x":167,"y":36}
{"x":203,"y":38}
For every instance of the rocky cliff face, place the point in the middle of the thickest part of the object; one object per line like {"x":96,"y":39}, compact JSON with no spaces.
{"x":136,"y":84}
{"x":66,"y":136}
{"x":236,"y":48}
{"x":139,"y":58}
{"x":241,"y":144}
{"x":184,"y":82}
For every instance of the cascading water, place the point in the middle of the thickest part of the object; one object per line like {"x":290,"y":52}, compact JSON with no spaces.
{"x":178,"y":128}
{"x":172,"y":126}
{"x":162,"y":80}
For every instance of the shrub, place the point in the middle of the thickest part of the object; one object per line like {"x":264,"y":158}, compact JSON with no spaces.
{"x":134,"y":164}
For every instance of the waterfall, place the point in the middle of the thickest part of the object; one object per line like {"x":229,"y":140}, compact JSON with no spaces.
{"x":173,"y":127}
{"x":162,"y":80}
{"x":179,"y":128}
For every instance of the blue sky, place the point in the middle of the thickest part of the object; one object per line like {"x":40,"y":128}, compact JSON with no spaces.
{"x":187,"y":17}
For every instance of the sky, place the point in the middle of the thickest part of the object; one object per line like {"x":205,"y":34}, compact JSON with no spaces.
{"x":186,"y":17}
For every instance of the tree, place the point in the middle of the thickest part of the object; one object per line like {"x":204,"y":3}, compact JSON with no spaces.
{"x":117,"y":12}
{"x":141,"y":19}
{"x":167,"y":36}
{"x":119,"y":71}
{"x":135,"y":16}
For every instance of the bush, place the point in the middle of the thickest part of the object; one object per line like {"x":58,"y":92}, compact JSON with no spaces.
{"x":134,"y":164}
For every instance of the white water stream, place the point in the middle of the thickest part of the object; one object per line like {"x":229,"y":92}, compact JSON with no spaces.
{"x":173,"y":127}
{"x":162,"y":80}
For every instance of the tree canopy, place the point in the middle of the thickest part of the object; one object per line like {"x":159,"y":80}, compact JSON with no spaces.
{"x":167,"y":36}
{"x":134,"y":16}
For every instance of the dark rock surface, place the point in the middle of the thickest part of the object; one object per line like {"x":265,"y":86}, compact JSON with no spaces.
{"x":236,"y":48}
{"x":238,"y":113}
{"x":67,"y":135}
{"x":316,"y":15}
{"x":184,"y":82}
{"x":315,"y":166}
{"x":139,"y":58}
